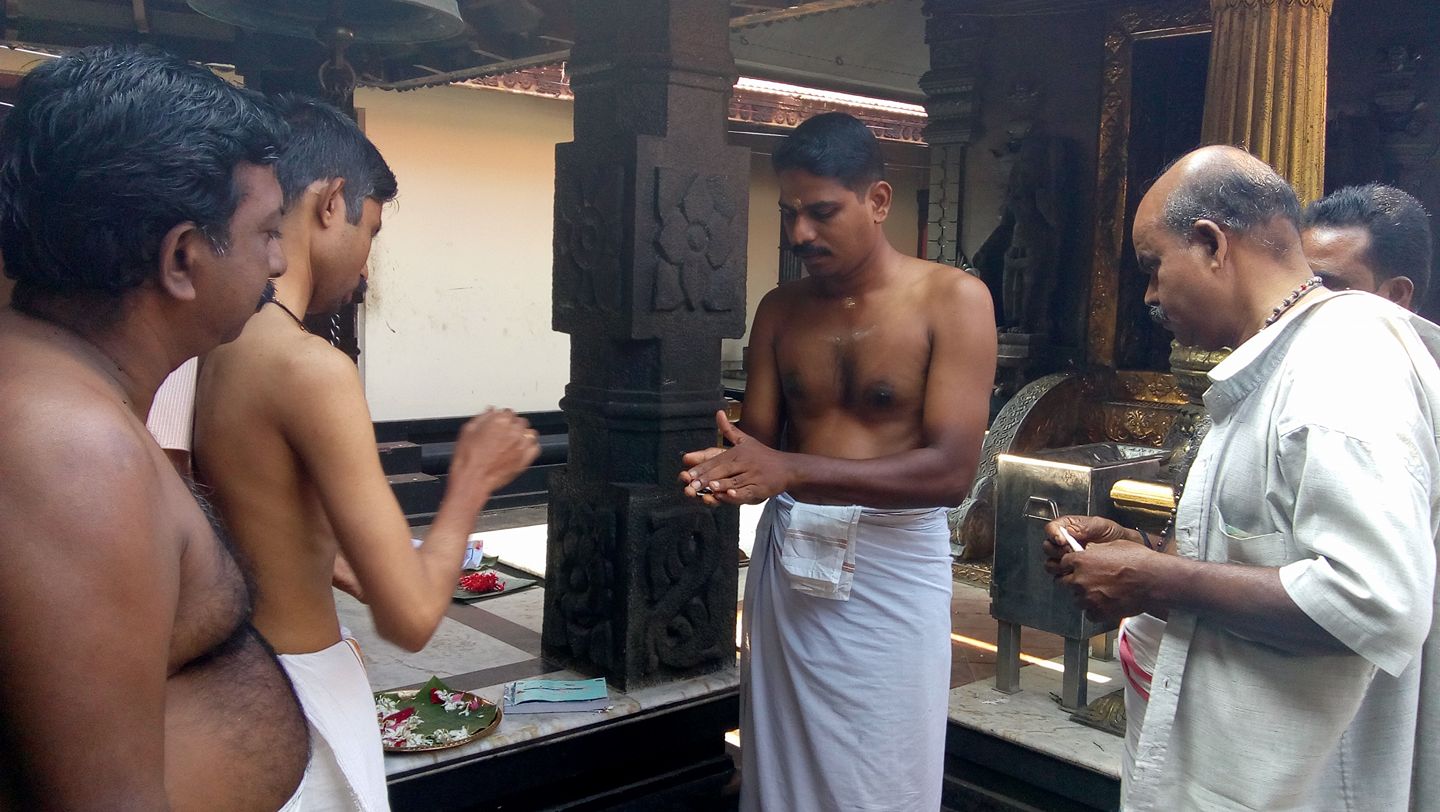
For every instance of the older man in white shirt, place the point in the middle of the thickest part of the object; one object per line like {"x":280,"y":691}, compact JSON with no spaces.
{"x":1298,"y":669}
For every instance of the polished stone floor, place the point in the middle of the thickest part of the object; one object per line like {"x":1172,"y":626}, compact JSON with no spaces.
{"x":481,"y":646}
{"x":518,"y":537}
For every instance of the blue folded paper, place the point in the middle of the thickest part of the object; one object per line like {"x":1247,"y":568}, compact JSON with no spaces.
{"x":556,"y":695}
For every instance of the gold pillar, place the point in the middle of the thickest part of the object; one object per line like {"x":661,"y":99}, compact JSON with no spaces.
{"x":1266,"y":87}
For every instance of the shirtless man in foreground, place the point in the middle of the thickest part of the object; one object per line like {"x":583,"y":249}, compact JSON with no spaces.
{"x":284,"y":436}
{"x":865,"y":405}
{"x":139,"y":212}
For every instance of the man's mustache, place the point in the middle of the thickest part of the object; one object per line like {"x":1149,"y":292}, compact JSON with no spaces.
{"x":808,"y":250}
{"x":267,"y":295}
{"x":360,"y":290}
{"x":1158,"y":315}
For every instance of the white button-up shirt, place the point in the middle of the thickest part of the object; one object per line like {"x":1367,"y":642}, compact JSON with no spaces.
{"x":1322,"y":461}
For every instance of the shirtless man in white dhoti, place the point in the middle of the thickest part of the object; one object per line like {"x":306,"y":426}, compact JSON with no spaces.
{"x":138,"y":214}
{"x":865,"y":405}
{"x":283,"y":435}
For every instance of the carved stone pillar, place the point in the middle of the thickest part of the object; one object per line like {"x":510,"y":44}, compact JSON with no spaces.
{"x":952,"y":105}
{"x":649,"y":275}
{"x":1266,"y":87}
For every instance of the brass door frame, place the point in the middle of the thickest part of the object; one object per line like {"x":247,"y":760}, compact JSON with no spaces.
{"x":1127,"y":25}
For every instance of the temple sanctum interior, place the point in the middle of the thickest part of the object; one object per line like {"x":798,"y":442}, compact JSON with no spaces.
{"x":586,"y":225}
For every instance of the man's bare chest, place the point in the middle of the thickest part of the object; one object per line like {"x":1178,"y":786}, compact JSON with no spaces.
{"x":213,"y":598}
{"x":869,"y":369}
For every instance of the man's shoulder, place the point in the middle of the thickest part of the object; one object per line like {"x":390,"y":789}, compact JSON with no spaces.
{"x":1348,"y":306}
{"x":63,"y":430}
{"x":36,"y":401}
{"x":948,"y":294}
{"x":1358,"y":364}
{"x":54,"y":404}
{"x":1359,"y":326}
{"x":788,"y":292}
{"x":272,"y":354}
{"x":314,"y":360}
{"x":947,"y":281}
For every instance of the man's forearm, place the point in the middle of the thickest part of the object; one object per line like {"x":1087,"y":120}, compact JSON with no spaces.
{"x":1249,"y":601}
{"x":448,"y":536}
{"x":923,"y":477}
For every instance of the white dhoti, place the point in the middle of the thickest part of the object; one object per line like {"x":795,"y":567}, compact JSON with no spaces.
{"x":845,"y":685}
{"x":347,"y":765}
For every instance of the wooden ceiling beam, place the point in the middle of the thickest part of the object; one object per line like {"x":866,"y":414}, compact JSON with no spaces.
{"x":801,"y":10}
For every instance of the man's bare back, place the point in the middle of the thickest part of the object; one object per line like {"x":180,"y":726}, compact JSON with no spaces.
{"x":274,"y":508}
{"x":109,"y":557}
{"x":284,"y":435}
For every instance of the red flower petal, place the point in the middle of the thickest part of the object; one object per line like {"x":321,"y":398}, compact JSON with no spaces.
{"x":398,"y":716}
{"x":486,"y":581}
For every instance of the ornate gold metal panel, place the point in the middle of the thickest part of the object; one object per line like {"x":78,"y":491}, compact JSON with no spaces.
{"x":1138,"y":423}
{"x":1148,"y":387}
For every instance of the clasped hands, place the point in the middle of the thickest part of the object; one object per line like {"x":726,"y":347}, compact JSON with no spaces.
{"x":1111,"y":576}
{"x":746,"y":473}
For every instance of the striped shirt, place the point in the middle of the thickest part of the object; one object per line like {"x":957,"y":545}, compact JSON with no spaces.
{"x":172,"y":413}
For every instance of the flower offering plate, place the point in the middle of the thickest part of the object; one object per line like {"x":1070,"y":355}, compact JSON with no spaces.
{"x":433,"y":718}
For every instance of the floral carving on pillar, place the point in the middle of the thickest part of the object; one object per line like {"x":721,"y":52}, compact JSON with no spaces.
{"x":588,"y":200}
{"x":694,"y":243}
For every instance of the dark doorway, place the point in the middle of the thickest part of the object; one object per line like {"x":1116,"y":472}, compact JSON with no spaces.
{"x":1167,"y":103}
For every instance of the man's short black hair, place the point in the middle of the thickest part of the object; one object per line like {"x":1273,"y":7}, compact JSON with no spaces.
{"x":833,"y":145}
{"x":107,"y":150}
{"x":326,"y":144}
{"x":1239,"y":193}
{"x":1398,"y":225}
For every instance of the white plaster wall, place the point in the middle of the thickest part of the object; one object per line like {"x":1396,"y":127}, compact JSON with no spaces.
{"x":458,"y":314}
{"x":762,"y":268}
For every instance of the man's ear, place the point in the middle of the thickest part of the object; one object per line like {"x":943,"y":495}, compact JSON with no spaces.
{"x":332,"y":210}
{"x":879,"y":197}
{"x":182,"y":250}
{"x":1398,"y":289}
{"x":1212,"y":237}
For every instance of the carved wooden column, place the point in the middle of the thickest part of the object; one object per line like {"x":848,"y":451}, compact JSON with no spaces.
{"x":1266,"y":87}
{"x":952,"y":105}
{"x":649,"y":275}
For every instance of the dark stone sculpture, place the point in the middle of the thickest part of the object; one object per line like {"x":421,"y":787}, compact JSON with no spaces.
{"x":1021,"y":258}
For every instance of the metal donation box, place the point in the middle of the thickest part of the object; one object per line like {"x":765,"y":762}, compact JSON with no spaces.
{"x":1031,"y":491}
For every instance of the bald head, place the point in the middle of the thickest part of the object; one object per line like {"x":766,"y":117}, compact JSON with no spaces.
{"x":1233,"y":189}
{"x":1218,"y":237}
